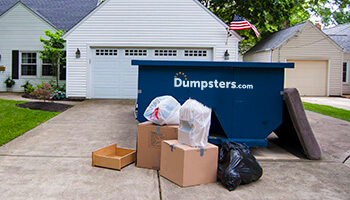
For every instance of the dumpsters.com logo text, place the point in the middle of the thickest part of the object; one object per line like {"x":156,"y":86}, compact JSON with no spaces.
{"x":180,"y":80}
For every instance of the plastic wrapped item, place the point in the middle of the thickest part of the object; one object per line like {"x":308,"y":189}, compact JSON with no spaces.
{"x":237,"y":166}
{"x":163,"y":110}
{"x":194,"y":125}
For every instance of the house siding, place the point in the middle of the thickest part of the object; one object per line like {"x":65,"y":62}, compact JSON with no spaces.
{"x":346,"y":86}
{"x":146,"y":23}
{"x":263,"y":56}
{"x":21,"y":30}
{"x":309,"y":44}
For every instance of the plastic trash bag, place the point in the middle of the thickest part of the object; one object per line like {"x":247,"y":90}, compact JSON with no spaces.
{"x":194,"y":125}
{"x":163,"y":110}
{"x":237,"y":166}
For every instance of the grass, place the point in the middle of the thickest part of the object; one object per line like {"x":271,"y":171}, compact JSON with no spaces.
{"x":328,"y":110}
{"x":15,"y":121}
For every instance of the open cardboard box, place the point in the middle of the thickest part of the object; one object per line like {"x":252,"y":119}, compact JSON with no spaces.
{"x":113,"y":157}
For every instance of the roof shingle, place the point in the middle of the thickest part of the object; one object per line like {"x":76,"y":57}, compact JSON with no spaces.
{"x":341,"y":35}
{"x":275,"y":39}
{"x":63,"y":14}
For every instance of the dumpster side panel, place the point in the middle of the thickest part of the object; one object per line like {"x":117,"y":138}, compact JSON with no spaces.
{"x":257,"y":111}
{"x":245,"y":114}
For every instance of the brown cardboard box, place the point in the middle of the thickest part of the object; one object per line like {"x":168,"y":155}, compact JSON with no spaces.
{"x":188,"y":166}
{"x":113,"y":157}
{"x":149,"y":140}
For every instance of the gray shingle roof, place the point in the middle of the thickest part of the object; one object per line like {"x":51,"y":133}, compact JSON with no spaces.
{"x":275,"y":39}
{"x":63,"y":14}
{"x":341,"y":35}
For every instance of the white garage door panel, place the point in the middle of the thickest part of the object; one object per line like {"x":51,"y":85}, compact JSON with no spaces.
{"x":113,"y":76}
{"x":309,"y":77}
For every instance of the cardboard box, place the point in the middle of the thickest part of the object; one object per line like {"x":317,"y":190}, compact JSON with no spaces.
{"x":149,"y":140}
{"x":113,"y":157}
{"x":188,"y":166}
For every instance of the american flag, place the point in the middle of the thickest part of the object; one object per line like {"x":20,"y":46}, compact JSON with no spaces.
{"x":238,"y":23}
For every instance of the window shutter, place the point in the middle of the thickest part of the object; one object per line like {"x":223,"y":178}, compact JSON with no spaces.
{"x":15,"y":64}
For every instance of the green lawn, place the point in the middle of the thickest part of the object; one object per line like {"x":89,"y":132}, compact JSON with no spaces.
{"x":328,"y":110}
{"x":15,"y":121}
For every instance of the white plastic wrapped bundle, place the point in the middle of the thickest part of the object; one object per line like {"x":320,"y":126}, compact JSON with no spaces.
{"x":194,"y":126}
{"x":163,"y":110}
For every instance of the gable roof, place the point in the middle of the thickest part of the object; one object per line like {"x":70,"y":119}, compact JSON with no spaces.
{"x":276,"y":39}
{"x":341,"y":35}
{"x":196,"y":1}
{"x":62,"y":14}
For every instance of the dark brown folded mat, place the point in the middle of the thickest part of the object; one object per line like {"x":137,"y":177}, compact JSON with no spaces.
{"x":295,"y":128}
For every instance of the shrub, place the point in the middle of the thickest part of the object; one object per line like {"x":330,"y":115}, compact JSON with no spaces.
{"x":56,"y":95}
{"x":28,"y":87}
{"x":43,"y":91}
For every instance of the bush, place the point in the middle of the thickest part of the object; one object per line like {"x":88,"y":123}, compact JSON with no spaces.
{"x":28,"y":87}
{"x":57,"y":95}
{"x":48,"y":91}
{"x":43,"y":91}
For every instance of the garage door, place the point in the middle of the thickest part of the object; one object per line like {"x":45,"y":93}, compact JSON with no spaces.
{"x":309,"y":77}
{"x":113,"y":76}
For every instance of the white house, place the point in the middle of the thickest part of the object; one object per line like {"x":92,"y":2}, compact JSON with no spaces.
{"x":118,"y":31}
{"x":341,"y":35}
{"x":317,"y":58}
{"x":22,"y":24}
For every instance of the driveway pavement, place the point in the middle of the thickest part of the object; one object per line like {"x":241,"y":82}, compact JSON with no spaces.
{"x":53,"y":161}
{"x":337,"y":102}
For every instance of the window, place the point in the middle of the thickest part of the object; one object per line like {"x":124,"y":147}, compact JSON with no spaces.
{"x":196,"y":53}
{"x":29,"y":64}
{"x":106,"y":52}
{"x":47,"y":68}
{"x":136,"y":52}
{"x":165,"y":52}
{"x":345,"y":72}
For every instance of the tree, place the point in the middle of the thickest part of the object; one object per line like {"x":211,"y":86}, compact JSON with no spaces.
{"x":272,"y":15}
{"x":332,"y":12}
{"x":54,"y":51}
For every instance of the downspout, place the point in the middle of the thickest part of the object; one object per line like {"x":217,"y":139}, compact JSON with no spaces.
{"x":279,"y":52}
{"x":271,"y":52}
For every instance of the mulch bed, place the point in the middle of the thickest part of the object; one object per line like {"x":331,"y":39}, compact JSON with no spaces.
{"x":28,"y":96}
{"x":45,"y":106}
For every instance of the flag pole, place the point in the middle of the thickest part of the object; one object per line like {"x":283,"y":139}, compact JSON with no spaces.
{"x":228,"y":31}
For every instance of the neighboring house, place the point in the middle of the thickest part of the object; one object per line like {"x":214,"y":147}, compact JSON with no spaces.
{"x":341,"y":35}
{"x":317,"y":58}
{"x":22,"y":24}
{"x":118,"y":31}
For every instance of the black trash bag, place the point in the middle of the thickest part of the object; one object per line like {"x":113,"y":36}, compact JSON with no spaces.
{"x":237,"y":166}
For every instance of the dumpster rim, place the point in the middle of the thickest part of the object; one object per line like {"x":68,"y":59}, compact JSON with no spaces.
{"x":180,"y":63}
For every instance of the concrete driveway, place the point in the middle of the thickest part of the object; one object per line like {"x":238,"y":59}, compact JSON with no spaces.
{"x":53,"y":161}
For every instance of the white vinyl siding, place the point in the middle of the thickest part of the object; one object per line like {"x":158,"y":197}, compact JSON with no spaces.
{"x":21,"y":30}
{"x":167,"y":24}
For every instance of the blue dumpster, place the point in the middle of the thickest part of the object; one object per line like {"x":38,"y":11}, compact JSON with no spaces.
{"x":245,"y":97}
